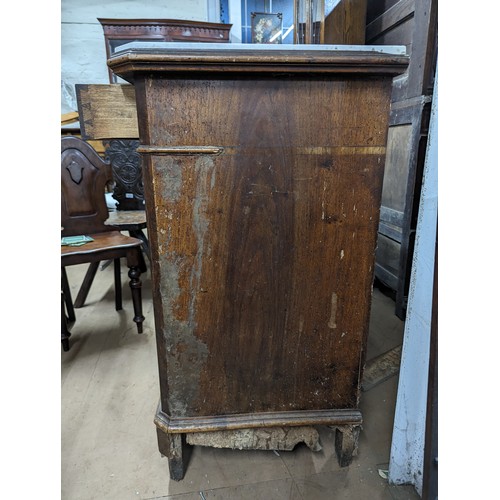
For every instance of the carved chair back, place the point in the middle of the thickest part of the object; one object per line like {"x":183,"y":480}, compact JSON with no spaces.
{"x":84,"y":175}
{"x":126,"y":165}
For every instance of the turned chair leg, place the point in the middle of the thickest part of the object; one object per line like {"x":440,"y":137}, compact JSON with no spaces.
{"x":67,"y":295}
{"x":65,"y":333}
{"x":136,"y":286}
{"x":139,"y":233}
{"x":118,"y":285}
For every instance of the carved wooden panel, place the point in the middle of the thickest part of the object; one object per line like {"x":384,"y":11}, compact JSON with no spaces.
{"x":126,"y":164}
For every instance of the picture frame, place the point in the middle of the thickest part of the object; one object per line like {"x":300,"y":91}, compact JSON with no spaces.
{"x":267,"y":27}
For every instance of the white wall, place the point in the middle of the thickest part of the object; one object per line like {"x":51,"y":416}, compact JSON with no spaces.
{"x":408,"y":437}
{"x":83,"y":55}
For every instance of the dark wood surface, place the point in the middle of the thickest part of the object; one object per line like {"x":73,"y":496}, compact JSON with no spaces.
{"x":234,"y":60}
{"x":110,"y":240}
{"x":263,"y":191}
{"x":281,"y":210}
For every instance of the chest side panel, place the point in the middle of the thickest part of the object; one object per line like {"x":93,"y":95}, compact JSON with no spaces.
{"x":264,"y":253}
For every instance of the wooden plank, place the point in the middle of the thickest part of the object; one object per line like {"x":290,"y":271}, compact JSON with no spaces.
{"x":107,"y":111}
{"x":381,"y":368}
{"x":70,"y":117}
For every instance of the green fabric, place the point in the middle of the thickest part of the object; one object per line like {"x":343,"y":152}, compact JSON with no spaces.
{"x":75,"y":241}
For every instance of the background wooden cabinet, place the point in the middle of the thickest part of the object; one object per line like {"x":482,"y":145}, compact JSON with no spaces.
{"x":120,"y":31}
{"x":413,"y":24}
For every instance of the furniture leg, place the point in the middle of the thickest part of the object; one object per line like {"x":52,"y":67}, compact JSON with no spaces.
{"x":118,"y":286}
{"x":67,"y":295}
{"x":138,"y":233}
{"x":87,"y":282}
{"x":346,"y":443}
{"x":174,"y":447}
{"x":65,"y":334}
{"x":136,"y":285}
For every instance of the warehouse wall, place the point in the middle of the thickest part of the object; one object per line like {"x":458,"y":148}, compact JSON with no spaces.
{"x":83,"y":55}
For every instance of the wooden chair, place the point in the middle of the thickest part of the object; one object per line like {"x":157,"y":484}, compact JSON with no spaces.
{"x":83,"y":212}
{"x":133,"y":221}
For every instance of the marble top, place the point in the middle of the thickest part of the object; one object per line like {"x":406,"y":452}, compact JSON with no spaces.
{"x":194,"y":46}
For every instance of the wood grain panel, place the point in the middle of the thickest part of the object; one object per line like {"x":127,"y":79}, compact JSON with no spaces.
{"x":107,"y":111}
{"x":265,"y":251}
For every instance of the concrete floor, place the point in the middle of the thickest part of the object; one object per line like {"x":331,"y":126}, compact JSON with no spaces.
{"x":109,"y":396}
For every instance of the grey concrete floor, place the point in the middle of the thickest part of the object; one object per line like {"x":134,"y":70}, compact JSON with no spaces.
{"x":109,"y":395}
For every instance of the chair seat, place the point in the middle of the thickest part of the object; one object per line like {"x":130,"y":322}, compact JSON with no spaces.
{"x":112,"y":240}
{"x":127,"y":219}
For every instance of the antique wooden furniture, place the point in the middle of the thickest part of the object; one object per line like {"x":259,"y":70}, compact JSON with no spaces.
{"x":120,"y":31}
{"x":263,"y":170}
{"x":413,"y":24}
{"x":84,"y":212}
